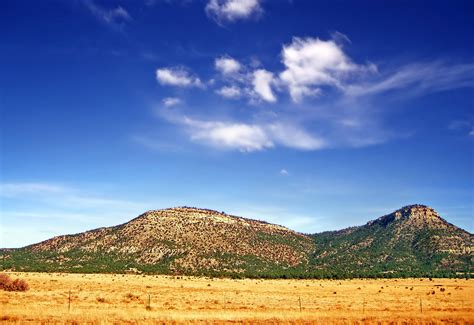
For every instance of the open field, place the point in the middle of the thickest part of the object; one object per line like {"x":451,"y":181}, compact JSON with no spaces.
{"x":125,"y":298}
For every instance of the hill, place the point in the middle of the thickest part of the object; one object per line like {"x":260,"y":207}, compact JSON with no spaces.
{"x":179,"y":240}
{"x":412,"y":241}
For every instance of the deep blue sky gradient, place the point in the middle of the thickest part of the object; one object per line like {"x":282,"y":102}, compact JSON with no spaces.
{"x":85,"y":144}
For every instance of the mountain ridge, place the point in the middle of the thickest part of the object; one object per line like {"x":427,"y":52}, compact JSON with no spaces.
{"x":411,"y":241}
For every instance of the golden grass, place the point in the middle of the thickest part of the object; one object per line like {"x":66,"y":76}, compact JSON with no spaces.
{"x":103,"y":299}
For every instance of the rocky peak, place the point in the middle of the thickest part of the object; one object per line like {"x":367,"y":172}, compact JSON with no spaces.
{"x":416,"y":215}
{"x":416,"y":211}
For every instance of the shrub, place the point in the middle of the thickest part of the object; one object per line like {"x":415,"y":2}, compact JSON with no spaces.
{"x":19,"y":285}
{"x":7,"y":284}
{"x":5,"y":281}
{"x":132,"y":296}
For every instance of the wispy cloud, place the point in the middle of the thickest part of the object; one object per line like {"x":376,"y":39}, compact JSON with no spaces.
{"x":26,"y":206}
{"x":59,"y":195}
{"x":419,"y":78}
{"x":115,"y":17}
{"x":21,"y":189}
{"x":295,"y":136}
{"x":248,"y":137}
{"x":462,"y":126}
{"x":223,"y":11}
{"x":228,"y":135}
{"x":229,"y":92}
{"x":171,"y":101}
{"x":177,"y":76}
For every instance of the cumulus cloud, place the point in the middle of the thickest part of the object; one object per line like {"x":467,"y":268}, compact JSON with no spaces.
{"x":284,"y":172}
{"x":115,"y":17}
{"x":232,"y":10}
{"x":243,"y":81}
{"x":171,"y":101}
{"x":311,"y":63}
{"x":227,"y":65}
{"x":262,"y":80}
{"x":177,"y":76}
{"x":350,"y":116}
{"x":229,"y":92}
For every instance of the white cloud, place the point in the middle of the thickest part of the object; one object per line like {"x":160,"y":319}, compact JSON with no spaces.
{"x":295,"y":137}
{"x":59,"y":194}
{"x":227,"y":65}
{"x":255,"y":85}
{"x":462,"y":126}
{"x":26,"y":206}
{"x":171,"y":101}
{"x":21,"y":189}
{"x":351,"y":116}
{"x":312,"y":63}
{"x":340,"y":38}
{"x":115,"y":17}
{"x":262,"y":80}
{"x":421,"y":78}
{"x":459,"y":125}
{"x":248,"y":137}
{"x":229,"y":92}
{"x":177,"y":76}
{"x":227,"y":135}
{"x":284,"y":172}
{"x":232,"y":10}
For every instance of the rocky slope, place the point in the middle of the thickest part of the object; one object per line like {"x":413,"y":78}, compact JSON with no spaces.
{"x":178,"y":240}
{"x":412,"y":241}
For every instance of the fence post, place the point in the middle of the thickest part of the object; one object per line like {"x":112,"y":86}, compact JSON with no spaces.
{"x":299,"y":300}
{"x":421,"y":306}
{"x":69,"y":302}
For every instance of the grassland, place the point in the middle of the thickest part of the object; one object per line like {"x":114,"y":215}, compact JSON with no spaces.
{"x":97,"y":298}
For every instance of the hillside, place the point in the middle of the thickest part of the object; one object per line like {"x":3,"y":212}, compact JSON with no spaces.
{"x":178,"y":240}
{"x":412,"y":241}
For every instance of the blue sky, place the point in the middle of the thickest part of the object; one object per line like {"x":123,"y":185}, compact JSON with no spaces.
{"x":313,"y":115}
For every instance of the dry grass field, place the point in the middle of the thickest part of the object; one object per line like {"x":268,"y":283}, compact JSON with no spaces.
{"x":137,"y":299}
